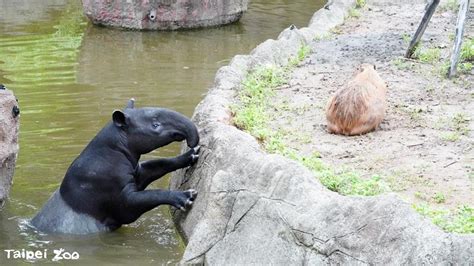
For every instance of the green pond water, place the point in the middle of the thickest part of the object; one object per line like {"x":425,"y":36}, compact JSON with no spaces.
{"x":70,"y":75}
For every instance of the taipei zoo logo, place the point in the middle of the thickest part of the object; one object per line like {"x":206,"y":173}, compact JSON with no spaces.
{"x":31,"y":255}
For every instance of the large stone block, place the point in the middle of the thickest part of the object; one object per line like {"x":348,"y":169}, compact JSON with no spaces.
{"x":164,"y":14}
{"x":9,"y":125}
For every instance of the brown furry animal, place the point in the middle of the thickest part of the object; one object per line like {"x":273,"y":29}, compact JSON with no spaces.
{"x":358,"y":107}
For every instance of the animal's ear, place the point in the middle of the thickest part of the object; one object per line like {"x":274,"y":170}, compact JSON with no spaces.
{"x":130,"y":104}
{"x":119,"y":118}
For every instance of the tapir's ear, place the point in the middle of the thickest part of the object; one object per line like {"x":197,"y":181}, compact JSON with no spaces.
{"x":130,"y":104}
{"x":119,"y":118}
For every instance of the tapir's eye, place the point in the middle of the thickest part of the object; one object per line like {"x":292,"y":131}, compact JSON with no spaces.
{"x":156,"y":125}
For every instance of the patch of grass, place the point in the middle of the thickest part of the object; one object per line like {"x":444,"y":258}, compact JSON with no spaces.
{"x":460,"y":220}
{"x":467,"y":50}
{"x":450,"y":136}
{"x":439,"y":197}
{"x":360,"y":3}
{"x":465,"y":67}
{"x":343,"y":181}
{"x":415,"y":113}
{"x":461,"y":123}
{"x":397,"y":181}
{"x":406,"y":38}
{"x":302,"y":53}
{"x":428,"y":55}
{"x":466,"y":58}
{"x":450,"y":5}
{"x":442,"y":69}
{"x":354,"y":13}
{"x":251,"y":114}
{"x":458,"y":126}
{"x":402,"y":64}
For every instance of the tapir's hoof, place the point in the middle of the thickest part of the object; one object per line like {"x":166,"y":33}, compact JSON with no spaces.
{"x":192,"y":195}
{"x":195,"y":155}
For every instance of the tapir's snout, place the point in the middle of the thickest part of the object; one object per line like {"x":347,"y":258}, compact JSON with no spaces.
{"x":192,"y":134}
{"x":186,"y":129}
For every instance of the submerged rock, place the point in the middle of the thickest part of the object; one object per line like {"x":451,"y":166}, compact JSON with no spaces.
{"x":9,"y":125}
{"x":164,"y":15}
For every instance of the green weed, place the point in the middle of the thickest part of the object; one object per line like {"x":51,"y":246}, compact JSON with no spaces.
{"x":354,"y":13}
{"x":343,"y":182}
{"x":461,"y":123}
{"x":467,"y":50}
{"x":402,"y":64}
{"x":458,"y":126}
{"x":406,"y":38}
{"x":360,"y":3}
{"x":450,"y":136}
{"x":302,"y":53}
{"x":429,"y":55}
{"x":465,"y":67}
{"x":460,"y":220}
{"x":251,"y":112}
{"x":439,"y":197}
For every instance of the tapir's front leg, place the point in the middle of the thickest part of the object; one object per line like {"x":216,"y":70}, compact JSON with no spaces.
{"x":150,"y":171}
{"x":138,"y":202}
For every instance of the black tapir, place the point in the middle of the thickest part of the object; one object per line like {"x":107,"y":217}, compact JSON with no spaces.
{"x":104,"y":187}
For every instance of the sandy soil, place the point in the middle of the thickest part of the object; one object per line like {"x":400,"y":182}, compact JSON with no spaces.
{"x":425,"y":145}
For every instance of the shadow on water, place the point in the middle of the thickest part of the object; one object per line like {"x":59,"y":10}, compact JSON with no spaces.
{"x":69,"y":76}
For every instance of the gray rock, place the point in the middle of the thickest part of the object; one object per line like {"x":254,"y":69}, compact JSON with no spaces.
{"x":257,"y":208}
{"x":9,"y":125}
{"x":164,"y":15}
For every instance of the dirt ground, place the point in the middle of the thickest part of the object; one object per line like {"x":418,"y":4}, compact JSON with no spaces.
{"x":424,"y":149}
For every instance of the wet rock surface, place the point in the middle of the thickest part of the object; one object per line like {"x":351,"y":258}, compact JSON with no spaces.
{"x":9,"y":125}
{"x":257,"y":208}
{"x":164,"y":15}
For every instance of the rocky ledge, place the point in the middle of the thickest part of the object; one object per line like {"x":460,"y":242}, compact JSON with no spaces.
{"x":9,"y":124}
{"x":258,"y":208}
